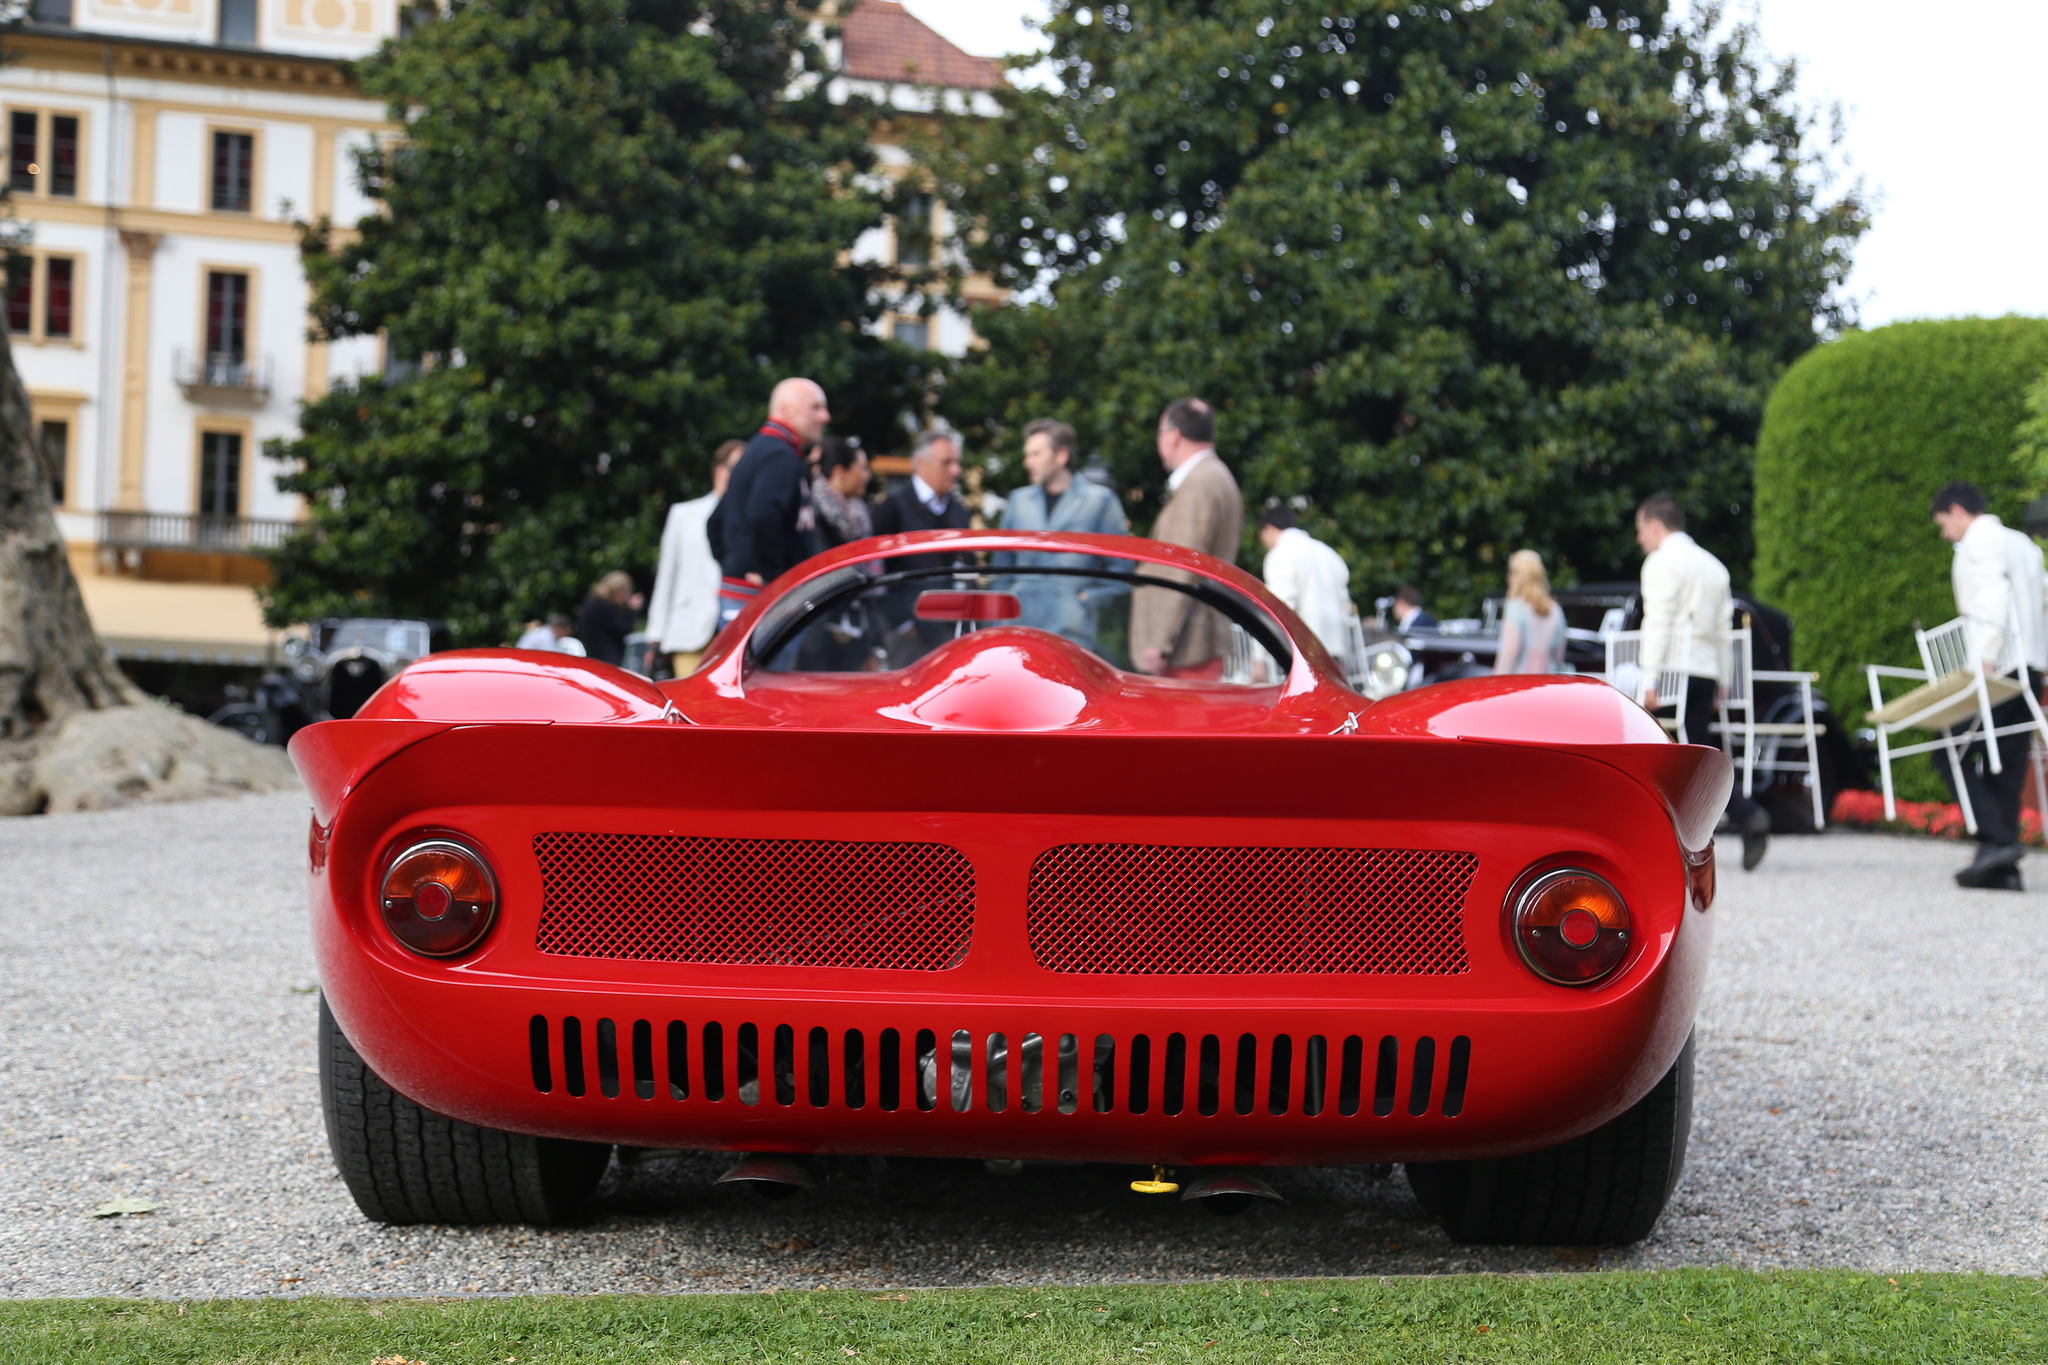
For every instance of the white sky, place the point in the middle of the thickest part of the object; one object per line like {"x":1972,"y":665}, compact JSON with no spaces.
{"x":1944,"y":123}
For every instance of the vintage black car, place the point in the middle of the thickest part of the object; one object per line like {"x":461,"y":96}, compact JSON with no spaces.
{"x":329,"y":673}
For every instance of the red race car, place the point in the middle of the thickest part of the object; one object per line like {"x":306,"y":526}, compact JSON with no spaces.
{"x":919,"y":863}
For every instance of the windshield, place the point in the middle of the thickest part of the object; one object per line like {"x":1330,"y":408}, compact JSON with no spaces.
{"x":864,"y":618}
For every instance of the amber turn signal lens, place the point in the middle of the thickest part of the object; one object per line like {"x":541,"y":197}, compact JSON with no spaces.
{"x":439,"y":898}
{"x":1570,"y":926}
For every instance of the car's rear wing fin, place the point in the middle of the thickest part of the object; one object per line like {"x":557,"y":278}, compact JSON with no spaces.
{"x":1692,"y":781}
{"x":334,"y":756}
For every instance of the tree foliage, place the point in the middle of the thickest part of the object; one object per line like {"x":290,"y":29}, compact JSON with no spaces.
{"x":1467,"y":279}
{"x":1857,"y":438}
{"x":2031,"y":451}
{"x":609,"y":227}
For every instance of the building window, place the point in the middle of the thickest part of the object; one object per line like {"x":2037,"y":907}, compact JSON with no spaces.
{"x":42,"y":297}
{"x":227,"y":321}
{"x":21,"y":296}
{"x":23,"y":132}
{"x":52,"y":12}
{"x":234,"y":172}
{"x":238,"y":22}
{"x":57,"y":296}
{"x":55,"y":439}
{"x":64,"y":156}
{"x":42,"y":153}
{"x":220,"y":474}
{"x":912,"y":332}
{"x":914,"y":231}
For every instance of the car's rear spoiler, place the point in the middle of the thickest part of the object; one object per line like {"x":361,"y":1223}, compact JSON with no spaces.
{"x":334,"y":756}
{"x":1692,"y":780}
{"x":1302,"y":777}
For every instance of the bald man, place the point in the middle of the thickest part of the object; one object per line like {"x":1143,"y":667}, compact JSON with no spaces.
{"x":762,"y":525}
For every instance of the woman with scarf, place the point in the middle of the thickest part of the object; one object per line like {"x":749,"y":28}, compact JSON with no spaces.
{"x":847,"y":642}
{"x":839,"y":485}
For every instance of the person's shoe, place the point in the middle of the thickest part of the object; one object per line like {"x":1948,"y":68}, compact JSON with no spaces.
{"x":1756,"y":838}
{"x":1996,"y":867}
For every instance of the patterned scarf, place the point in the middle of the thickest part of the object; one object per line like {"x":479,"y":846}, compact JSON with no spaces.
{"x":848,"y":517}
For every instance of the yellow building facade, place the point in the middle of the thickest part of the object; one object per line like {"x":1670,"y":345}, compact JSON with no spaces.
{"x":160,"y":152}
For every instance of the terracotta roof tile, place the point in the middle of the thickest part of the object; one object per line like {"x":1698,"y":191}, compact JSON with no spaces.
{"x":882,"y":41}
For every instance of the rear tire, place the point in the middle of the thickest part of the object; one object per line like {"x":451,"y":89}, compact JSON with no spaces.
{"x":1604,"y":1188}
{"x":407,"y":1164}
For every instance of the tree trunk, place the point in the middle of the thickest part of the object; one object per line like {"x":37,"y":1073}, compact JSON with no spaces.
{"x":75,"y":734}
{"x":52,"y":662}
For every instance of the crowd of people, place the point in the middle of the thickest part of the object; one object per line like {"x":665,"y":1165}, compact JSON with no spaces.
{"x":791,"y":492}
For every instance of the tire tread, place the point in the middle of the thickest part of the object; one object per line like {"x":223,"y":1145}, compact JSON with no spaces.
{"x":404,"y":1163}
{"x":1607,"y":1187}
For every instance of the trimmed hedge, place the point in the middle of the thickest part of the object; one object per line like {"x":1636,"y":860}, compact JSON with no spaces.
{"x":1856,"y":439}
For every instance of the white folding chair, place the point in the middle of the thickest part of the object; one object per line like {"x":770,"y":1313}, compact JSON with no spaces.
{"x":1352,"y":657}
{"x":1758,"y":744}
{"x":1955,"y":695}
{"x":1247,"y":662}
{"x":1625,"y":671}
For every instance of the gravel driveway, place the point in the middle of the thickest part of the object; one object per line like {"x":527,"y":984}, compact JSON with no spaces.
{"x":1872,"y":1093}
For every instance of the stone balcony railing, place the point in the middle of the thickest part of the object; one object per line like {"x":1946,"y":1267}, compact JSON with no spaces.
{"x":221,"y":372}
{"x":195,"y":532}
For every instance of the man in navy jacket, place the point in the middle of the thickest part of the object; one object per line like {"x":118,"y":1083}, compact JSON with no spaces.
{"x":923,"y":502}
{"x":762,"y":526}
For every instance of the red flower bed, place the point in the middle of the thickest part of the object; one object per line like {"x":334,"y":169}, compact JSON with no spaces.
{"x":1943,"y":820}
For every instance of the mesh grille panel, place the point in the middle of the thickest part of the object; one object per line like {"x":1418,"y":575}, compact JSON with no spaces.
{"x":792,"y":902}
{"x":1131,"y":909}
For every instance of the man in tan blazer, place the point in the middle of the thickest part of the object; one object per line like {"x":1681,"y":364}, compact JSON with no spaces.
{"x":1171,"y":633}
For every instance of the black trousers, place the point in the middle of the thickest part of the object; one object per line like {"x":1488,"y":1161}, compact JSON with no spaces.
{"x":1994,"y":797}
{"x":1700,"y":716}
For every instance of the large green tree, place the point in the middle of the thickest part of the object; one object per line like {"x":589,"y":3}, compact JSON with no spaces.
{"x":608,"y":228}
{"x":1466,"y":279}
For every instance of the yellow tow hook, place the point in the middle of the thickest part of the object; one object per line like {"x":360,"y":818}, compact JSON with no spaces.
{"x":1158,"y":1184}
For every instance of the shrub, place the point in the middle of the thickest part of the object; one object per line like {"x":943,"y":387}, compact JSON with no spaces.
{"x":2031,"y":449}
{"x":1856,"y":438}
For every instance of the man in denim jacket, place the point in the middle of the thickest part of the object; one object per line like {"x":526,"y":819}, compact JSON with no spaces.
{"x":1055,"y":500}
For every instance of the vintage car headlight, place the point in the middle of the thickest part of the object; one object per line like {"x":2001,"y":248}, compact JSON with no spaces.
{"x":1570,"y":926}
{"x":439,"y":897}
{"x":1386,"y":669}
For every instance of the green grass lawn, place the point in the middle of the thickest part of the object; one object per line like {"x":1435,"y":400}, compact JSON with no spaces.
{"x":1590,"y":1319}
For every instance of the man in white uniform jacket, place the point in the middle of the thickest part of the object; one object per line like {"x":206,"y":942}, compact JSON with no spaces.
{"x":1999,"y":585}
{"x":1308,"y":576}
{"x":1684,"y":584}
{"x":682,"y":614}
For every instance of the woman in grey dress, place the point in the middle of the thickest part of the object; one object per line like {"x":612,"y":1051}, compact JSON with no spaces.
{"x":1532,"y":624}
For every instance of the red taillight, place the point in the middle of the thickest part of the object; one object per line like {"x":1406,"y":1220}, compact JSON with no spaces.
{"x":1570,"y":926}
{"x":439,"y":897}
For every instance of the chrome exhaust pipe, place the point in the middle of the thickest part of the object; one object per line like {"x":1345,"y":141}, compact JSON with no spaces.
{"x":772,"y":1177}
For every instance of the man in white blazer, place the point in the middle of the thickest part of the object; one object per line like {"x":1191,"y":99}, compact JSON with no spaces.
{"x":682,"y":615}
{"x":1999,"y":585}
{"x":1683,"y":583}
{"x":1308,"y":576}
